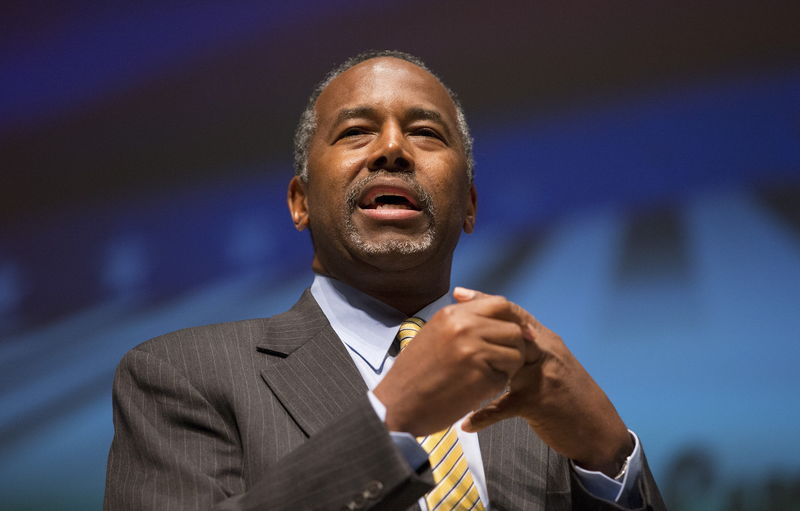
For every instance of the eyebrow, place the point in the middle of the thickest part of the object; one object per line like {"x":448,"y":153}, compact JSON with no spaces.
{"x":358,"y":112}
{"x":413,"y":114}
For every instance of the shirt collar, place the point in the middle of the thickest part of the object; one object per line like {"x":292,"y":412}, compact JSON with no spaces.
{"x":366,"y":325}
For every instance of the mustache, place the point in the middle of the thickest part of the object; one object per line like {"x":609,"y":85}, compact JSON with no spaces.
{"x":357,"y":188}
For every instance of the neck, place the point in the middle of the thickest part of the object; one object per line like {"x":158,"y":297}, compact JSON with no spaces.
{"x":407,"y":290}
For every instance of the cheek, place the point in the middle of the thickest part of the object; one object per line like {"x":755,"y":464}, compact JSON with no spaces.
{"x":321,"y":203}
{"x":451,"y":170}
{"x":326,"y":199}
{"x":335,"y":162}
{"x":450,"y":188}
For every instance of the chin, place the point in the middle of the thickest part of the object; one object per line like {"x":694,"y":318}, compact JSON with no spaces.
{"x":393,"y":246}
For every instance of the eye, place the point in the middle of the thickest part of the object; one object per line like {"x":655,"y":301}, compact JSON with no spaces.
{"x":352,"y":132}
{"x":427,"y":132}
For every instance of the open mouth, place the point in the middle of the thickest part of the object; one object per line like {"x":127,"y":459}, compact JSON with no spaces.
{"x":388,"y":197}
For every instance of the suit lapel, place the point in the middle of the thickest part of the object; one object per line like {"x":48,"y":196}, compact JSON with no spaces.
{"x":310,"y":371}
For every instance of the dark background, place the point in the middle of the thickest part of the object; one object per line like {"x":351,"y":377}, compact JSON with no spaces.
{"x":638,"y":169}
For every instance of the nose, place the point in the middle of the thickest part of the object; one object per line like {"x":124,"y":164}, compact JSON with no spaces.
{"x":391,"y":152}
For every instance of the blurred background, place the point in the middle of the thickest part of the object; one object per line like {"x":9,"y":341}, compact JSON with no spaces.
{"x":638,"y":169}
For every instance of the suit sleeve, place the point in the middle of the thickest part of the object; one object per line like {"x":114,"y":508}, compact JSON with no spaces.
{"x":172,"y":450}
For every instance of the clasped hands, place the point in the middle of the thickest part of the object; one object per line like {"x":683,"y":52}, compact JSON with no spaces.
{"x":471,"y":351}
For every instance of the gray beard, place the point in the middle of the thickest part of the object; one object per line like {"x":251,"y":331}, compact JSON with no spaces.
{"x":402,"y":247}
{"x":388,"y":247}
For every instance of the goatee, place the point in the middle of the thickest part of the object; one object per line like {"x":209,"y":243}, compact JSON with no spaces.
{"x":391,"y":246}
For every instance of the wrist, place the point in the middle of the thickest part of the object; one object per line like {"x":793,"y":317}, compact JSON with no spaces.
{"x":611,"y":461}
{"x":391,"y":418}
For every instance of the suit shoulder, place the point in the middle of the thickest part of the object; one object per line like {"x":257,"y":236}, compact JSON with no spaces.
{"x":231,"y":331}
{"x":197,"y":347}
{"x":226,"y":339}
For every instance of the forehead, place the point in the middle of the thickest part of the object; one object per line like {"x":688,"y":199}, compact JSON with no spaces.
{"x":384,"y":83}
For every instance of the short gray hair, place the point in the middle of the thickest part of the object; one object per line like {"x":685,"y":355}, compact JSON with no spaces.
{"x":308,"y":119}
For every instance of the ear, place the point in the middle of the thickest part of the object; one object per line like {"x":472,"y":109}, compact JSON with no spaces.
{"x":469,"y":221}
{"x":297,"y":200}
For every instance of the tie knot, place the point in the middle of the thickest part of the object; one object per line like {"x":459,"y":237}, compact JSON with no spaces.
{"x":408,"y":329}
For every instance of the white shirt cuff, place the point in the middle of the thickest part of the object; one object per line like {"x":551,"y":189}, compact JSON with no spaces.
{"x":623,"y":490}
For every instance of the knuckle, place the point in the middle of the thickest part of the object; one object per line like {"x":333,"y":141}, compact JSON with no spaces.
{"x":454,"y":323}
{"x":466,"y":351}
{"x":507,"y":307}
{"x":499,"y":300}
{"x":456,"y":328}
{"x":447,"y":311}
{"x":518,"y":360}
{"x":553,"y":374}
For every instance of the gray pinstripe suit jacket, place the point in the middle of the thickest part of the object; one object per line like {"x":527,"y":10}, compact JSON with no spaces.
{"x":273,"y":414}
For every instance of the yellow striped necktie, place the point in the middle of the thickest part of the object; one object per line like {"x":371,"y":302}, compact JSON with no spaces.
{"x":455,"y":488}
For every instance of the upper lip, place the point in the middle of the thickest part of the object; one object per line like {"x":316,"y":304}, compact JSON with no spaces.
{"x":393,"y":188}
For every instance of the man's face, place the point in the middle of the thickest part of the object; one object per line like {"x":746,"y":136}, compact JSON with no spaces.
{"x":387,"y":174}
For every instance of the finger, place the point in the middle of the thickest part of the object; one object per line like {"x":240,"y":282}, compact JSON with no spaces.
{"x":505,"y":333}
{"x":493,"y":306}
{"x":511,"y":334}
{"x":498,"y":302}
{"x":502,"y":361}
{"x":533,"y":351}
{"x":463,"y":294}
{"x":497,"y":307}
{"x":490,"y":414}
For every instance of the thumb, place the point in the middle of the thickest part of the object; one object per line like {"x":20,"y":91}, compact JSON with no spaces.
{"x":493,"y":412}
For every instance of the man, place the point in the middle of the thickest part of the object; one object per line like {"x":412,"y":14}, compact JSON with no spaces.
{"x":316,"y":408}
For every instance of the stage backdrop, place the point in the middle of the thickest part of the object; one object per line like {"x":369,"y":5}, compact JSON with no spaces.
{"x":638,"y":169}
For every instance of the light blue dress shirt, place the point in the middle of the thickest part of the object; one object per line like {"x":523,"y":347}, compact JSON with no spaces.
{"x":368,"y":327}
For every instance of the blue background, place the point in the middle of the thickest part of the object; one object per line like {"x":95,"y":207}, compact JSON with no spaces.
{"x":638,"y":170}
